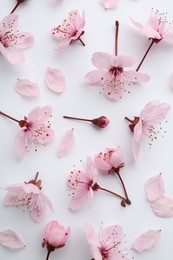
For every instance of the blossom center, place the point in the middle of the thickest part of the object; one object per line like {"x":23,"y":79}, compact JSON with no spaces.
{"x":116,"y":70}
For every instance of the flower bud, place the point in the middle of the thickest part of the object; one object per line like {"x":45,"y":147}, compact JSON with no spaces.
{"x":101,"y":122}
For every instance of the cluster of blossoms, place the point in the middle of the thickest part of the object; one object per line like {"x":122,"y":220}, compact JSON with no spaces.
{"x":112,"y":75}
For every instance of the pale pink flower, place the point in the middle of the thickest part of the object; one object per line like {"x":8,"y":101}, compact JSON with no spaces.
{"x":83,"y":184}
{"x":11,"y":239}
{"x":156,"y":28}
{"x":13,"y":42}
{"x":109,"y":4}
{"x":30,"y":196}
{"x":146,"y":240}
{"x":110,"y":160}
{"x":110,"y":74}
{"x":34,"y":129}
{"x":71,"y":30}
{"x":106,"y":244}
{"x":145,"y":125}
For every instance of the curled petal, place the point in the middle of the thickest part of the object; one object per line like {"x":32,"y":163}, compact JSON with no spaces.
{"x":11,"y":239}
{"x":27,"y":88}
{"x":146,"y":240}
{"x":66,"y":144}
{"x":55,"y":79}
{"x":163,"y":207}
{"x":155,"y":187}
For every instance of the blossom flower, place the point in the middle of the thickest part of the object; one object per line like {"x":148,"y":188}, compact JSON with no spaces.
{"x":100,"y":122}
{"x":55,"y":236}
{"x":145,"y":125}
{"x":83,"y":185}
{"x":157,"y":28}
{"x":13,"y":42}
{"x":34,"y":129}
{"x":105,"y":245}
{"x":112,"y":161}
{"x":111,"y":74}
{"x":71,"y":30}
{"x":30,"y":196}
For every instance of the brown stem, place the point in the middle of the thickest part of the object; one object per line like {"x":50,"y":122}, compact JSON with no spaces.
{"x":124,"y":188}
{"x":81,"y":41}
{"x":48,"y":254}
{"x":116,"y":37}
{"x":36,"y":176}
{"x":113,"y":193}
{"x":15,"y":7}
{"x":147,"y":51}
{"x":129,"y":120}
{"x":76,"y":118}
{"x":12,"y":118}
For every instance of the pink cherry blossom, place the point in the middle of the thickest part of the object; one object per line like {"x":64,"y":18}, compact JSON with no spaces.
{"x":106,"y":244}
{"x":71,"y":30}
{"x":111,"y":74}
{"x":55,"y":236}
{"x":83,"y":185}
{"x":13,"y":42}
{"x":30,"y":196}
{"x":27,"y":88}
{"x":110,"y":160}
{"x":108,"y":4}
{"x":34,"y":129}
{"x":146,"y":240}
{"x":145,"y":125}
{"x":11,"y":239}
{"x":156,"y":28}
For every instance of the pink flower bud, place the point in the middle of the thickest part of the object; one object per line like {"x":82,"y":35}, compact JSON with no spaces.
{"x":101,"y":122}
{"x":55,"y":235}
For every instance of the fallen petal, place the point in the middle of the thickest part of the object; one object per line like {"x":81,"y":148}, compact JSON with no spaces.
{"x":146,"y":240}
{"x":163,"y":207}
{"x":66,"y":144}
{"x":155,"y":187}
{"x":108,"y":4}
{"x":55,"y":79}
{"x":11,"y":239}
{"x":27,"y":88}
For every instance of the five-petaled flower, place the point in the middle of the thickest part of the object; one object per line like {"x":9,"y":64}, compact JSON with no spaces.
{"x":157,"y":28}
{"x":55,"y":236}
{"x":111,"y":74}
{"x":71,"y":30}
{"x":145,"y":125}
{"x":83,"y":184}
{"x":12,"y":42}
{"x":106,"y":244}
{"x":30,"y":196}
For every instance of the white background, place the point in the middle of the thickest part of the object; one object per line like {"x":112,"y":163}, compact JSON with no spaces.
{"x":82,"y":101}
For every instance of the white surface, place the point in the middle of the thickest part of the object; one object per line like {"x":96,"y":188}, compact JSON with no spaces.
{"x":82,"y":101}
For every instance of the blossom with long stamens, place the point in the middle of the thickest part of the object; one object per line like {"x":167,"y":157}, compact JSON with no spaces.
{"x":145,"y":125}
{"x":13,"y":42}
{"x":106,"y":244}
{"x":71,"y":30}
{"x":157,"y":28}
{"x":30,"y":196}
{"x":33,"y":129}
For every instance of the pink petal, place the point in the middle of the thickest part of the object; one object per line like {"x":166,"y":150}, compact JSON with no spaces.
{"x":138,"y":25}
{"x":38,"y":212}
{"x":111,"y":235}
{"x":13,"y":55}
{"x":116,"y":157}
{"x":135,"y":148}
{"x":27,"y":88}
{"x":55,"y":80}
{"x":163,"y":207}
{"x":10,"y":22}
{"x":24,"y":40}
{"x":66,"y":144}
{"x":123,"y":61}
{"x":40,"y":114}
{"x":137,"y":136}
{"x":76,"y":203}
{"x":135,"y":76}
{"x":146,"y":240}
{"x":102,"y":60}
{"x":108,"y":4}
{"x":102,"y":164}
{"x":11,"y":239}
{"x":92,"y":240}
{"x":21,"y":143}
{"x":63,"y":44}
{"x":155,"y":187}
{"x":168,"y":38}
{"x":150,"y":32}
{"x":94,"y":77}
